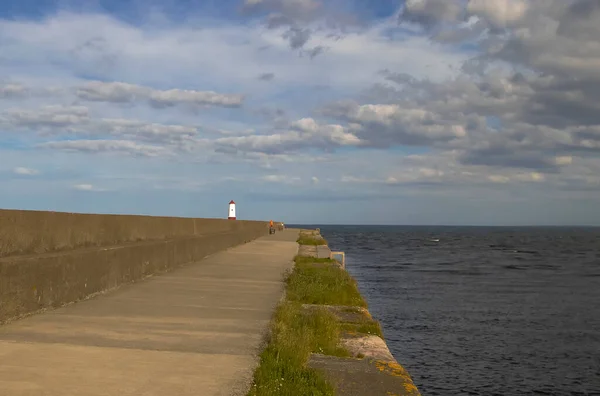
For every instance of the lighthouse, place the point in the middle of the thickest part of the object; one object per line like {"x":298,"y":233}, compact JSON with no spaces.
{"x":231,"y":210}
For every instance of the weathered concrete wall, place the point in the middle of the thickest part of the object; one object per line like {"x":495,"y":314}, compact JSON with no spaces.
{"x":68,"y":271}
{"x":27,"y":232}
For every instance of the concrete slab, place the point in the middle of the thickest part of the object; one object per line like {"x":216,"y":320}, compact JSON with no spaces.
{"x":364,"y":377}
{"x":321,"y":251}
{"x":197,"y":330}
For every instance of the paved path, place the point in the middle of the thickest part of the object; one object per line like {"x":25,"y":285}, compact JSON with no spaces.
{"x":195,"y":331}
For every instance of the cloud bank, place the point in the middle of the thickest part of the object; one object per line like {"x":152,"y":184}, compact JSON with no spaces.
{"x":497,"y":100}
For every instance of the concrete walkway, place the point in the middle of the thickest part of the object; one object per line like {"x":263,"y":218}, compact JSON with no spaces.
{"x":195,"y":331}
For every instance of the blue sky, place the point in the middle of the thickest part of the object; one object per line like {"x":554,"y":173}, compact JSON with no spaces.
{"x":306,"y":111}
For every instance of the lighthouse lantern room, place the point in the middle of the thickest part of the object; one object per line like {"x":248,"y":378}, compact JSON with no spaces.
{"x":231,"y":210}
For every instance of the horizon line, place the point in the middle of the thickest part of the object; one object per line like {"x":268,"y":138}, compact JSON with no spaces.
{"x":446,"y":225}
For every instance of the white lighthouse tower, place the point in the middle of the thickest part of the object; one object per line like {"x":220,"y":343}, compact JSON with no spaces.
{"x":231,"y":210}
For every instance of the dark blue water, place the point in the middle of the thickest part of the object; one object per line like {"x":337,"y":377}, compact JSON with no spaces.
{"x":483,"y":311}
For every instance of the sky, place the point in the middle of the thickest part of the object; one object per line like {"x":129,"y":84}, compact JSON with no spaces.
{"x":420,"y":112}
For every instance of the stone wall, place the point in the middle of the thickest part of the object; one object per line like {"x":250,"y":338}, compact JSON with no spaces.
{"x":51,"y":259}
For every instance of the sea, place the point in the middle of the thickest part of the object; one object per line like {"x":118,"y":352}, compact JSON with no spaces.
{"x":483,"y":310}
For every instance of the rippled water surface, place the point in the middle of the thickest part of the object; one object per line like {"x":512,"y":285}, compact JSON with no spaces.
{"x":483,"y":311}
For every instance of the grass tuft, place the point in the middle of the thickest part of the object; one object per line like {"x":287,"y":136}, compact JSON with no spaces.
{"x":311,"y":237}
{"x":370,"y":327}
{"x":312,"y":261}
{"x":311,"y":241}
{"x":316,"y":281}
{"x":295,"y":334}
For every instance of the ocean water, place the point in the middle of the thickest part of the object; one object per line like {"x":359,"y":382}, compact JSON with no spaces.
{"x":483,"y":311}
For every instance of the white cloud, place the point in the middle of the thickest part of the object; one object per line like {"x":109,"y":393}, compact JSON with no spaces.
{"x":355,"y":179}
{"x":83,"y":187}
{"x":47,"y":116}
{"x":532,"y":176}
{"x":111,"y":91}
{"x":25,"y":171}
{"x":564,"y":160}
{"x":76,"y":120}
{"x":391,"y":124}
{"x":499,"y":178}
{"x":498,"y":12}
{"x":174,"y":96}
{"x":302,"y":134}
{"x":284,"y":179}
{"x":124,"y":92}
{"x":12,"y":90}
{"x":274,"y":178}
{"x":99,"y":146}
{"x":87,"y":187}
{"x":147,"y":131}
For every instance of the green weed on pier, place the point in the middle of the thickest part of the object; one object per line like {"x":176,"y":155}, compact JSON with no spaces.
{"x":296,"y":332}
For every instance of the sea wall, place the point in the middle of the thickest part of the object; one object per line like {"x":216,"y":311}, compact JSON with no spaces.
{"x":48,"y":259}
{"x":371,"y":368}
{"x":29,"y":232}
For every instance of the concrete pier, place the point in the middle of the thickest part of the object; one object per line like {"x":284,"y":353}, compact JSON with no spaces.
{"x":194,"y":331}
